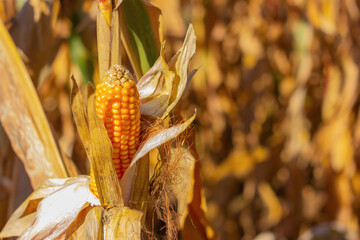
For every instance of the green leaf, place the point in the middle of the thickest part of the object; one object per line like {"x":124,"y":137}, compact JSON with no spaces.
{"x":138,"y":37}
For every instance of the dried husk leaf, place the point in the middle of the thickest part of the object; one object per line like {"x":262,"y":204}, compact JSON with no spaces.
{"x":101,"y":158}
{"x":115,"y":52}
{"x":57,"y":211}
{"x":140,"y":191}
{"x":122,"y":223}
{"x":79,"y":113}
{"x":91,"y":228}
{"x":23,"y":118}
{"x":39,"y":38}
{"x":163,"y":85}
{"x":51,"y":190}
{"x":196,"y":222}
{"x":183,"y":179}
{"x":145,"y":147}
{"x":104,"y":44}
{"x":19,"y":220}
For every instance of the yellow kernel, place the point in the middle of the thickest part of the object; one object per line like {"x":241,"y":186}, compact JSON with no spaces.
{"x":116,"y":145}
{"x":115,"y":155}
{"x":127,"y":85}
{"x":124,"y":137}
{"x":124,"y":152}
{"x":108,"y":125}
{"x":132,"y":99}
{"x":116,"y":122}
{"x":117,"y":128}
{"x":125,"y":122}
{"x":116,"y":161}
{"x":115,"y":111}
{"x":123,"y":147}
{"x":116,"y":139}
{"x":116,"y":105}
{"x":117,"y":89}
{"x":131,"y":105}
{"x":125,"y":157}
{"x":131,"y":142}
{"x":124,"y":111}
{"x":108,"y":120}
{"x":125,"y":116}
{"x":116,"y":150}
{"x":123,"y":142}
{"x":116,"y":116}
{"x":125,"y":127}
{"x":117,"y":134}
{"x":132,"y":111}
{"x":124,"y":105}
{"x":125,"y":98}
{"x":125,"y":91}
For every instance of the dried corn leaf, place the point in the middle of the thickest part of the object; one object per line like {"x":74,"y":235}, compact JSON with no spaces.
{"x":196,"y":222}
{"x":25,"y":214}
{"x":101,"y":157}
{"x":23,"y":118}
{"x":104,"y":44}
{"x":58,"y":210}
{"x":162,"y":87}
{"x":91,"y":228}
{"x":122,"y":223}
{"x":140,"y":191}
{"x":38,"y":38}
{"x":183,"y":182}
{"x":146,"y":146}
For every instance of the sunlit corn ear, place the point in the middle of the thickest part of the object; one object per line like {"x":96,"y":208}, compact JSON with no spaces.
{"x":118,"y":106}
{"x":97,"y":146}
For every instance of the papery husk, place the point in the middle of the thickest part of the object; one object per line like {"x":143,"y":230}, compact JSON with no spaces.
{"x":24,"y":120}
{"x":57,"y":211}
{"x":148,"y":144}
{"x":163,"y":85}
{"x":42,"y":212}
{"x":122,"y":223}
{"x":39,"y":39}
{"x":97,"y":146}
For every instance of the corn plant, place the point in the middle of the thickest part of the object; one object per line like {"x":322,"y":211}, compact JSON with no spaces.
{"x":144,"y":180}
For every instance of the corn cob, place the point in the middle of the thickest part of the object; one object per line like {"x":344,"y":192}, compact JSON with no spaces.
{"x":118,"y":106}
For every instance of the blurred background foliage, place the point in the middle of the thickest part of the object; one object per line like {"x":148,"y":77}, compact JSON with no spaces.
{"x":276,"y":93}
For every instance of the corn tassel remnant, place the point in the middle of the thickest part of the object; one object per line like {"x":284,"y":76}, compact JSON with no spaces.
{"x":118,"y":106}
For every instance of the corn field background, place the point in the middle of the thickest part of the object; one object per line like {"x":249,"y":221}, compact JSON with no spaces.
{"x":276,"y":96}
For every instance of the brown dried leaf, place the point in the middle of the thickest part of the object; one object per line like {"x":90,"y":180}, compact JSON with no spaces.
{"x":101,"y":157}
{"x":34,"y":31}
{"x":19,"y":220}
{"x":23,"y":118}
{"x":145,"y":147}
{"x":104,"y":44}
{"x":122,"y":223}
{"x":140,"y":191}
{"x":163,"y":85}
{"x":57,"y":211}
